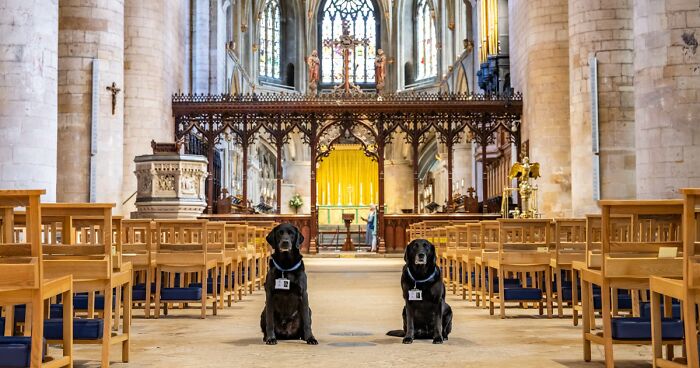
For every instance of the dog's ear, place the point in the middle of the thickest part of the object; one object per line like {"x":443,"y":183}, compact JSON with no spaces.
{"x":408,"y":250}
{"x":432,"y":250}
{"x":298,"y":238}
{"x":272,"y":237}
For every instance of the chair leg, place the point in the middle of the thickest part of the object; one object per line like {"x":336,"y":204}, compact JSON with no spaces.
{"x":107,"y":327}
{"x":159,"y":278}
{"x":548,"y":288}
{"x":203,"y":277}
{"x":147,"y":306}
{"x":574,"y":295}
{"x":560,"y":299}
{"x":585,"y":300}
{"x":605,"y":295}
{"x":126,"y":329}
{"x":501,"y":292}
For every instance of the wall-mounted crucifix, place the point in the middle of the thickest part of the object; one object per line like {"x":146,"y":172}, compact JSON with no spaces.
{"x":113,"y":88}
{"x":346,"y":43}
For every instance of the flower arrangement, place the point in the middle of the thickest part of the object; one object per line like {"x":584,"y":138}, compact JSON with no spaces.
{"x":296,"y":202}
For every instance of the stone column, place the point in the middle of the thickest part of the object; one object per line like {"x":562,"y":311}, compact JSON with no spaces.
{"x":602,"y":29}
{"x":540,"y":57}
{"x":28,"y":59}
{"x":667,"y":96}
{"x":143,"y":77}
{"x":90,"y":31}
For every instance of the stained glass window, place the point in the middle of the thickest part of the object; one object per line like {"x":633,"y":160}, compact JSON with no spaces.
{"x":269,"y":28}
{"x":425,"y":41}
{"x":362,"y":18}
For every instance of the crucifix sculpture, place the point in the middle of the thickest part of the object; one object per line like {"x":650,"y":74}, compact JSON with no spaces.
{"x":113,"y":88}
{"x":346,"y":43}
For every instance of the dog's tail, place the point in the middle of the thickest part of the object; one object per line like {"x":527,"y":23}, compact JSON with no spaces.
{"x":396,"y":333}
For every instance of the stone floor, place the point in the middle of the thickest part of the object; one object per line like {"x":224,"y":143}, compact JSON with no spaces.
{"x":354,"y":303}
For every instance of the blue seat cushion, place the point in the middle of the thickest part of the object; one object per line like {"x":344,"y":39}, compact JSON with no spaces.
{"x":56,"y":311}
{"x":522,"y":294}
{"x":2,"y":325}
{"x":83,"y":329}
{"x":645,"y":310}
{"x":15,"y":351}
{"x":624,"y":301}
{"x":138,"y":294}
{"x":175,"y":294}
{"x":80,"y":302}
{"x":567,"y":293}
{"x":637,"y":328}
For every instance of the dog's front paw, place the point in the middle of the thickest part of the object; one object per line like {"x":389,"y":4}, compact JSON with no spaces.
{"x":437,"y":340}
{"x":270,"y":341}
{"x":408,"y":340}
{"x":311,"y":341}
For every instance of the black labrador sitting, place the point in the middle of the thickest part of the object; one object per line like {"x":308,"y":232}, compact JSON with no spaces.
{"x":426,"y":315}
{"x":287,"y":315}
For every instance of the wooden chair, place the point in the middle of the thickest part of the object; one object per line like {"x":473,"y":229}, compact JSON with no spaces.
{"x":470,"y":234}
{"x":449,"y":254}
{"x":489,"y":234}
{"x":181,"y":248}
{"x":628,"y":263}
{"x":569,"y":247}
{"x":137,"y":249}
{"x":620,"y":230}
{"x":25,"y":282}
{"x":216,"y":249}
{"x":523,"y":248}
{"x":88,"y":257}
{"x":686,"y":290}
{"x":233,"y":248}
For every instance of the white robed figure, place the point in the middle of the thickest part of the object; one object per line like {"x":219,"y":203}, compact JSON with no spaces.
{"x":371,"y":233}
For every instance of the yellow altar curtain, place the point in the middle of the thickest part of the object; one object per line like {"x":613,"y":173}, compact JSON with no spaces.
{"x":347,"y":178}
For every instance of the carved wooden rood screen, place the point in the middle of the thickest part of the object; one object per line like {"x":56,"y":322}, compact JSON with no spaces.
{"x":368,"y":119}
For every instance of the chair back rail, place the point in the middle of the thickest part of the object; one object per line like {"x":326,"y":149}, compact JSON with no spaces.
{"x":524,"y":241}
{"x":691,"y":237}
{"x":569,"y":240}
{"x":656,"y":224}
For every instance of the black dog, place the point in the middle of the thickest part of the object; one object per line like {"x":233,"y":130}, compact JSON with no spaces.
{"x":287,"y":315}
{"x":426,"y":315}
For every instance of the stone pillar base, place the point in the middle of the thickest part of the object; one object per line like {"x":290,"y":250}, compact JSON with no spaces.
{"x":167,"y":210}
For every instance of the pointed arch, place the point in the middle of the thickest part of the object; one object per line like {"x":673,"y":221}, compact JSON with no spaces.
{"x":270,"y":40}
{"x":364,"y":19}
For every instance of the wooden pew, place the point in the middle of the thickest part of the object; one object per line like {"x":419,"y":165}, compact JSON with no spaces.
{"x":88,"y":257}
{"x":523,"y":248}
{"x":181,"y":248}
{"x":137,"y":249}
{"x":686,"y":290}
{"x":25,"y":282}
{"x":628,"y":263}
{"x":470,"y":234}
{"x":569,"y":247}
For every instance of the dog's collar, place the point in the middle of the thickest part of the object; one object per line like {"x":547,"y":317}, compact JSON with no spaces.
{"x":416,"y":282}
{"x":283,"y":270}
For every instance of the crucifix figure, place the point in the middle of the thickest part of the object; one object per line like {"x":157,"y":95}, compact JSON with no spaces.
{"x":113,"y":88}
{"x":346,"y":43}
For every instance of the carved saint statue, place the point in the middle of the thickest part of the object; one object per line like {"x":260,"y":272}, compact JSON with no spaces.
{"x":380,"y":69}
{"x":313,"y":62}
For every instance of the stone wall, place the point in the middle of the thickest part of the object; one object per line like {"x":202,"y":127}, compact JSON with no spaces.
{"x":28,"y":75}
{"x":90,"y":31}
{"x":602,"y":29}
{"x":667,"y":96}
{"x":540,"y":53}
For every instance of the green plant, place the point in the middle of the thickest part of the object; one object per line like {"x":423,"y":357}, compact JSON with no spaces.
{"x":296,"y":202}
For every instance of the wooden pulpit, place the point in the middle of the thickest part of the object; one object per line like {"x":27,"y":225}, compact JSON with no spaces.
{"x":348,"y":218}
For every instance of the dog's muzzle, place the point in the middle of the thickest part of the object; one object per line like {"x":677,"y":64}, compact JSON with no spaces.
{"x":285,"y":246}
{"x":421,"y":258}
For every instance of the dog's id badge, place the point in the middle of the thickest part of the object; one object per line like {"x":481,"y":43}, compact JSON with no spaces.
{"x":415,"y":294}
{"x":282,"y":284}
